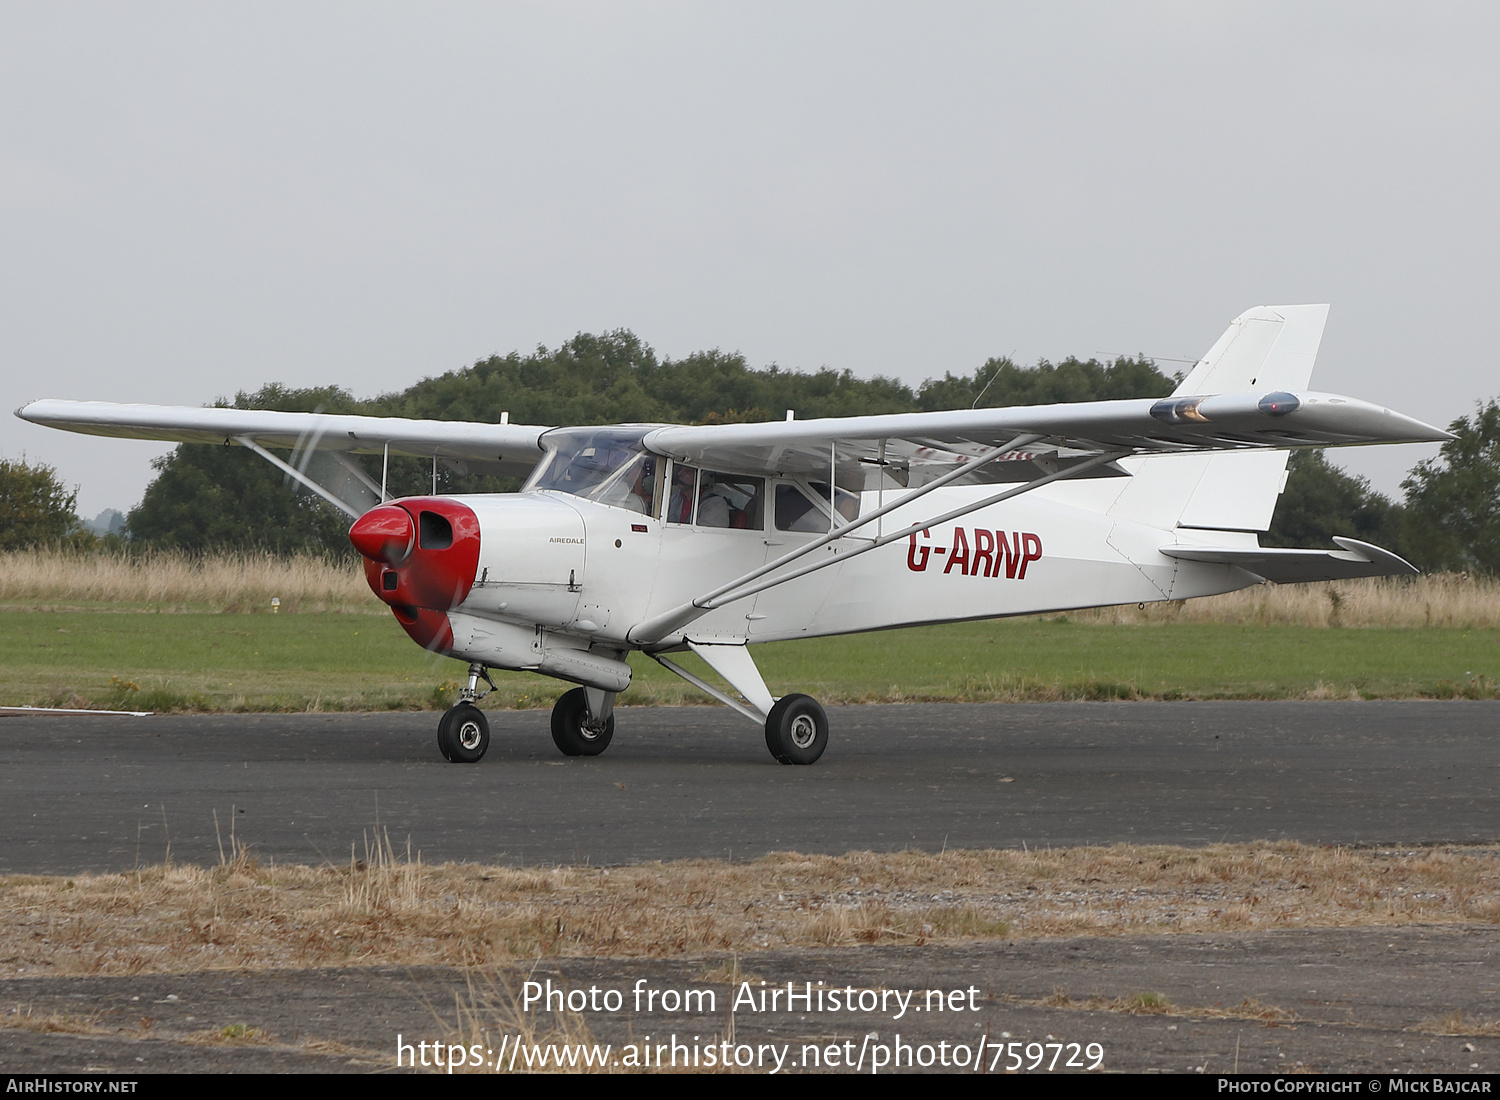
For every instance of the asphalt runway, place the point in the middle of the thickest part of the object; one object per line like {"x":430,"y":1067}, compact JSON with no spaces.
{"x":96,"y":793}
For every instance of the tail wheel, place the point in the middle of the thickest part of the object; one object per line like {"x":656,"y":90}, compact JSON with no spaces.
{"x":797,"y":730}
{"x":463,"y":734}
{"x":574,"y":732}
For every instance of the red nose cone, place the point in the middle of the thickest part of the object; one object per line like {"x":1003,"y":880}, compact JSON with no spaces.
{"x":384,"y":534}
{"x":420,"y":553}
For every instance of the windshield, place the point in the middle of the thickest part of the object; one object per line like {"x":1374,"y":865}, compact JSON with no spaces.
{"x":603,"y":464}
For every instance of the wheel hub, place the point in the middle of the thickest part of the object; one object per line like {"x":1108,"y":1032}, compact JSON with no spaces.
{"x":468,"y":734}
{"x":804,"y":731}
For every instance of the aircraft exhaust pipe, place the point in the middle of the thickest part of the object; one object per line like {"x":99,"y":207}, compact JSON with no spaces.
{"x":501,"y":644}
{"x":586,"y":668}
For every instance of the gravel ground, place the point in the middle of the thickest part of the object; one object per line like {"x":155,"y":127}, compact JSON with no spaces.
{"x":1362,"y":1000}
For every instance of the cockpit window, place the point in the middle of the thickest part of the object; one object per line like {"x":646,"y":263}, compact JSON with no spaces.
{"x":633,"y":486}
{"x":604,"y":464}
{"x":683,"y":494}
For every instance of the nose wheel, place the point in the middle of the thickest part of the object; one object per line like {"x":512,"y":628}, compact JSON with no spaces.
{"x":464,"y":731}
{"x":463,"y":734}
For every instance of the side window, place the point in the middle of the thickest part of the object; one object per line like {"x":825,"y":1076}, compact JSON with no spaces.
{"x":846,"y":502}
{"x":681,"y":494}
{"x":795,"y":512}
{"x":731,"y":500}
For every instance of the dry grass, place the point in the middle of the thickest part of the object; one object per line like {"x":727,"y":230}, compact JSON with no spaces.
{"x":1454,"y":600}
{"x":230,"y":1034}
{"x":397,"y":911}
{"x":1456,"y":1023}
{"x":54,"y":579}
{"x":729,"y":972}
{"x":1156,"y":1004}
{"x":23,"y":1018}
{"x":167,"y":581}
{"x":491,"y":1017}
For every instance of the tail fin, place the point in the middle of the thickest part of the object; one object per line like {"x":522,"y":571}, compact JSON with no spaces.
{"x":1267,"y":348}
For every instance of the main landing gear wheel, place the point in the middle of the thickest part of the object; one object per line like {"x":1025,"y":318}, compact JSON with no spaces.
{"x":797,"y":730}
{"x":574,"y":731}
{"x":463,"y":734}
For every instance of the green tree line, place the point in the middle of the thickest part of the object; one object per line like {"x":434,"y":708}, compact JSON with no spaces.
{"x":206,"y":497}
{"x":212,"y":497}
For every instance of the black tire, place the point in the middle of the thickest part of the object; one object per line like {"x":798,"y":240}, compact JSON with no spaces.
{"x":571,"y":731}
{"x":797,"y":730}
{"x":464,"y":734}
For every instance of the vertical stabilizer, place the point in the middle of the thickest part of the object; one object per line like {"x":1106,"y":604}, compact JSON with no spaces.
{"x":1265,"y":349}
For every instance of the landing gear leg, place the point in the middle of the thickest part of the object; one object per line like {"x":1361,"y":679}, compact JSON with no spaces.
{"x":464,"y":732}
{"x":583,"y":721}
{"x":796,"y":726}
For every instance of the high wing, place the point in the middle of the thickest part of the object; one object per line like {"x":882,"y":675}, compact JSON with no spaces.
{"x":914,"y":447}
{"x":1249,"y":392}
{"x":321,"y":443}
{"x":508,"y":449}
{"x":911,"y":448}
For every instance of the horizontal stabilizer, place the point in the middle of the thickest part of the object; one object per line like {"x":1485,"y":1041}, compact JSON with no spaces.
{"x":1356,"y":559}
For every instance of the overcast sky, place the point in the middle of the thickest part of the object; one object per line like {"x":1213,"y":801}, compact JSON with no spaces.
{"x":200,"y":198}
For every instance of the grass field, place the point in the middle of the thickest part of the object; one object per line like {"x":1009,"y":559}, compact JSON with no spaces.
{"x":363,"y":661}
{"x":173,"y":632}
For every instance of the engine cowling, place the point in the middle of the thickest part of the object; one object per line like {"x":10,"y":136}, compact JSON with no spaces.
{"x":421,"y":555}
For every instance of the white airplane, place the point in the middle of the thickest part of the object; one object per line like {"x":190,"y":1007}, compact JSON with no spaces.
{"x":663,"y":538}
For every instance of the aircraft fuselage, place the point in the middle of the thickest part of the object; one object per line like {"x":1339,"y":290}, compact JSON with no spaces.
{"x":511,"y":580}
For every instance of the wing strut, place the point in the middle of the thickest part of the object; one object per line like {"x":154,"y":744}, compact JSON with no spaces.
{"x":655,"y":629}
{"x":292,"y":471}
